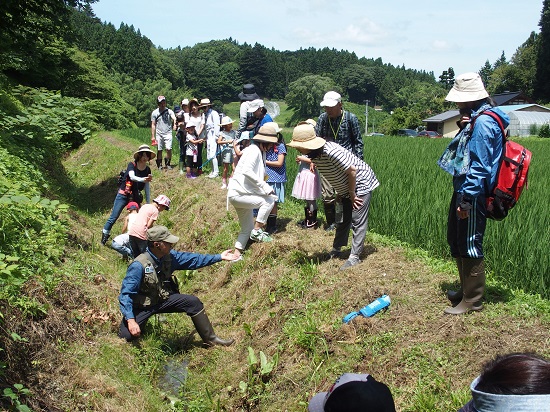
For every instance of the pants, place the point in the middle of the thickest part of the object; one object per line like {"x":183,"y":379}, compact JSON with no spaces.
{"x":211,"y":149}
{"x":164,"y":141}
{"x":137,"y":245}
{"x":244,"y":205}
{"x":465,"y":236}
{"x":120,"y":203}
{"x":123,"y":249}
{"x":175,"y":303}
{"x":358,"y":221}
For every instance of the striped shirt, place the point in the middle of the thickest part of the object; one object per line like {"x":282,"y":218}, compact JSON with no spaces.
{"x":333,"y":163}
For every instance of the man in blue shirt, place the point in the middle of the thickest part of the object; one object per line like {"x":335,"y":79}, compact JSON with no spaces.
{"x":149,"y":287}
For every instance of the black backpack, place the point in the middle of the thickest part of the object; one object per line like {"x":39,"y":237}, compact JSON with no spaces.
{"x":123,"y":176}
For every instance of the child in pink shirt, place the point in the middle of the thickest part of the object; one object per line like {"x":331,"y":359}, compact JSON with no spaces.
{"x":146,"y":217}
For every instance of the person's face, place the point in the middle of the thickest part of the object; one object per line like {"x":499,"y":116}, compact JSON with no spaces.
{"x":258,"y":113}
{"x":162,"y":105}
{"x":185,"y":108}
{"x":334,"y":111}
{"x":264,"y":147}
{"x":465,"y":105}
{"x":162,"y":248}
{"x":145,"y":156}
{"x":302,"y":150}
{"x":193,"y":107}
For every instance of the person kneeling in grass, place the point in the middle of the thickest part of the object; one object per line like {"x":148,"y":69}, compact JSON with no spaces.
{"x":149,"y":287}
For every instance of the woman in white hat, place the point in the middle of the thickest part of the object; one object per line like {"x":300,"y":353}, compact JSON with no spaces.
{"x":248,"y":190}
{"x":137,"y":178}
{"x":472,"y":158}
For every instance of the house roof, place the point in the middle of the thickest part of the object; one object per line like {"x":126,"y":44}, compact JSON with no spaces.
{"x":442,"y":117}
{"x":523,"y":107}
{"x":450,"y":114}
{"x":503,"y":98}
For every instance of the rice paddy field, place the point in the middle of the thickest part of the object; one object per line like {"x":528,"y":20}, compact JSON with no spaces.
{"x":413,"y":198}
{"x":412,"y":201}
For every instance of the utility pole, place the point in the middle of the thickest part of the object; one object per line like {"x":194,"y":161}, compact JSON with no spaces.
{"x":374,"y":107}
{"x":366,"y":116}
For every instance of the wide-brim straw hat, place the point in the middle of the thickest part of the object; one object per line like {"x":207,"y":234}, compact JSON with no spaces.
{"x":226,"y":120}
{"x":268,"y":133}
{"x":468,"y":87}
{"x":304,"y":137}
{"x":249,"y":93}
{"x":142,"y":149}
{"x":205,"y":102}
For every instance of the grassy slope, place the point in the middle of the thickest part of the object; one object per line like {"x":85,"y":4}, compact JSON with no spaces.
{"x":284,"y":299}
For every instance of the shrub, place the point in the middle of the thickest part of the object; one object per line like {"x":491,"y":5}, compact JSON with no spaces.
{"x":544,"y":131}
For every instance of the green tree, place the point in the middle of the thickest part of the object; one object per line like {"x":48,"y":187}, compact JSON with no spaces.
{"x":305,"y":94}
{"x":501,"y":61}
{"x":520,"y":74}
{"x":542,"y":89}
{"x":360,"y":82}
{"x":29,"y":28}
{"x":485,"y":72}
{"x":447,"y":78}
{"x":253,"y":67}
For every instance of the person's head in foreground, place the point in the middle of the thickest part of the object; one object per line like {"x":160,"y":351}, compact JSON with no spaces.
{"x":513,"y":382}
{"x":354,"y":392}
{"x":468,"y":92}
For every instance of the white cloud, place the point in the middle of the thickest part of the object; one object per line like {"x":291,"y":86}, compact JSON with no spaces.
{"x":363,"y":33}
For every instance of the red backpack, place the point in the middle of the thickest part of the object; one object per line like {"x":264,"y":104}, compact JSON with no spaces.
{"x":511,"y":175}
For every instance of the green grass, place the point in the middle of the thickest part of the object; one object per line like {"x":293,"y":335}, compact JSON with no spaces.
{"x":412,"y":201}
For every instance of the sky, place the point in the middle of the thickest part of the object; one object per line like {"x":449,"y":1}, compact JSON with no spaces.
{"x":424,"y":35}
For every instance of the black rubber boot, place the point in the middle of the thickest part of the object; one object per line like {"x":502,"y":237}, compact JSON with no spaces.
{"x":311,"y":222}
{"x":159,"y":163}
{"x":104,"y":238}
{"x":206,"y":332}
{"x":303,"y":223}
{"x":271,"y":225}
{"x":330,"y":216}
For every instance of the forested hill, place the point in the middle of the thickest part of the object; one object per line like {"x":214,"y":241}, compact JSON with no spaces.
{"x":219,"y":68}
{"x":63,"y":47}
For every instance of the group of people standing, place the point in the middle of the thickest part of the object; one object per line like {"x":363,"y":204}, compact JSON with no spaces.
{"x":331,"y":165}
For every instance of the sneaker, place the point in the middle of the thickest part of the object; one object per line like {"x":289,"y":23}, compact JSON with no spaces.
{"x":258,"y":235}
{"x":237,"y":259}
{"x":224,"y":186}
{"x":168,"y":167}
{"x":182,"y":172}
{"x":212,"y":175}
{"x":331,"y":228}
{"x":190,"y":176}
{"x":349,"y":263}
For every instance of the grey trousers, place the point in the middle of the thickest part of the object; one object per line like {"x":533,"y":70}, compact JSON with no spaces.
{"x":357,"y":221}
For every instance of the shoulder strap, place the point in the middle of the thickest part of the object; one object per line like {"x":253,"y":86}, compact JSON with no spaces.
{"x":496,"y":118}
{"x":160,"y":114}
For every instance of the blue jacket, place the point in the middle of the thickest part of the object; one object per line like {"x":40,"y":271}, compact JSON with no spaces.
{"x":134,"y":275}
{"x":485,"y":146}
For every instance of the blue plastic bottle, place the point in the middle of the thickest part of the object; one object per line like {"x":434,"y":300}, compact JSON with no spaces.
{"x":376,"y":306}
